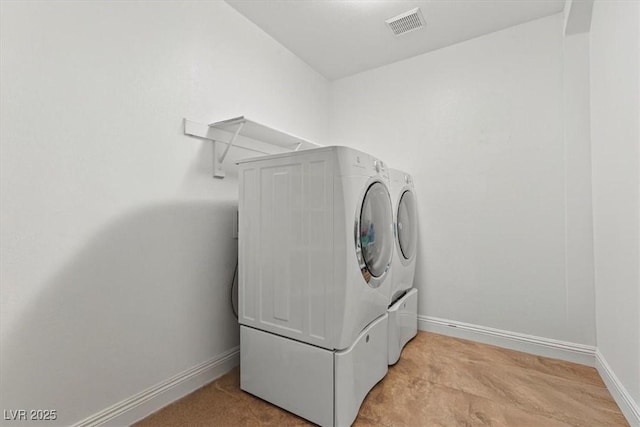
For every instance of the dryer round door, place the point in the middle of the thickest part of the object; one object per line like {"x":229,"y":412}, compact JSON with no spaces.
{"x":407,"y":225}
{"x":374,"y":234}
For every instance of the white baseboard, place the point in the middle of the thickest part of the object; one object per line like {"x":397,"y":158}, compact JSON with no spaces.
{"x":628,"y":406}
{"x":154,"y":398}
{"x":571,"y":352}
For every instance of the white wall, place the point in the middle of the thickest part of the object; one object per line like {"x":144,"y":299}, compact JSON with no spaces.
{"x":480,"y":125}
{"x":615,"y":134}
{"x":579,"y":218}
{"x":116,"y":245}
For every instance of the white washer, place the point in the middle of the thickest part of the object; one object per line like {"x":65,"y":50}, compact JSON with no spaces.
{"x":316,"y":243}
{"x":403,"y":309}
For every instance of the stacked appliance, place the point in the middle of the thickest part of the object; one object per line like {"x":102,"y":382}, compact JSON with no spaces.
{"x":316,"y":242}
{"x":403,"y":309}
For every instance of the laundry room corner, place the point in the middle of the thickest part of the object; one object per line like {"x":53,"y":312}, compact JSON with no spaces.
{"x":334,"y":212}
{"x":492,"y":197}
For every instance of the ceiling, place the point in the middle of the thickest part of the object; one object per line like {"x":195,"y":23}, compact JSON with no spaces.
{"x":339,"y":38}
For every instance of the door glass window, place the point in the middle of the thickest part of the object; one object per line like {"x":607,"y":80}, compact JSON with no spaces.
{"x":407,"y":224}
{"x":375,"y":229}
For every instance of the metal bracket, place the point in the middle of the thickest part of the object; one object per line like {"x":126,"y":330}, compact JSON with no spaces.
{"x":218,"y":172}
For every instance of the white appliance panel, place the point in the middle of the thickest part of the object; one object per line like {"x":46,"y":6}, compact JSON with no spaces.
{"x":405,"y":217}
{"x":293,"y":375}
{"x":299,"y":273}
{"x":248,"y":239}
{"x":358,"y":369}
{"x":403,"y":324}
{"x":360,"y":303}
{"x":303,"y":294}
{"x":286,"y":253}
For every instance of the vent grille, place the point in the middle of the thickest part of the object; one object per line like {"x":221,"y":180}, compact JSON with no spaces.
{"x":406,"y":22}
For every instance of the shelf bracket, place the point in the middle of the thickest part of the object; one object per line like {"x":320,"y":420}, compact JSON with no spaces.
{"x":245,"y":134}
{"x":218,"y":171}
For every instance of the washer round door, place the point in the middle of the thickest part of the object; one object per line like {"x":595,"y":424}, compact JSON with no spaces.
{"x":374,"y":234}
{"x":407,"y":225}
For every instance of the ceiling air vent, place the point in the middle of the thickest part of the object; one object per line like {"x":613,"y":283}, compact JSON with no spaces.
{"x":406,"y":22}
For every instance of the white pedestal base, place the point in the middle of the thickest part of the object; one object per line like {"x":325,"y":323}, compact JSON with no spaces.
{"x":403,"y":323}
{"x":325,"y":387}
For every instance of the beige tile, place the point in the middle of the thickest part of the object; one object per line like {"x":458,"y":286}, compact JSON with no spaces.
{"x":530,"y":387}
{"x":441,"y":406}
{"x":439,"y":381}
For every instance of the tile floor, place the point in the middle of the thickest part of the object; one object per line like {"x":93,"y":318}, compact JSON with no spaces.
{"x":439,"y":381}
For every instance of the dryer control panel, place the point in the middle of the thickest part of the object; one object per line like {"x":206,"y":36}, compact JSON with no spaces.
{"x":370,"y":164}
{"x":380,"y":168}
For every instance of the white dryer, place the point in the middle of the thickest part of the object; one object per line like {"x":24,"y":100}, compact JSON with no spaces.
{"x":403,"y":309}
{"x":316,"y":241}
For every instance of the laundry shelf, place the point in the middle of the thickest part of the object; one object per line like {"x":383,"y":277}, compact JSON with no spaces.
{"x":247,"y":134}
